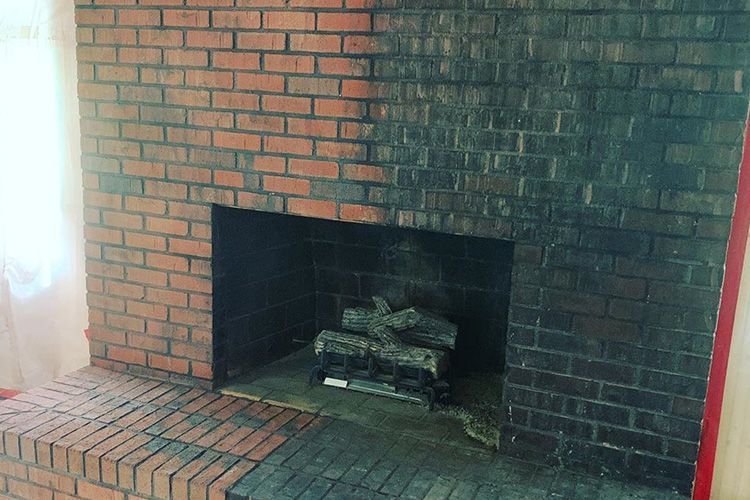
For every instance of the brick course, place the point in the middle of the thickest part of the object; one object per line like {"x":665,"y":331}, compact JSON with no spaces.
{"x":604,"y":139}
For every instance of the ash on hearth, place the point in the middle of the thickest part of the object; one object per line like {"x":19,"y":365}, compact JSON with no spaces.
{"x":476,"y":401}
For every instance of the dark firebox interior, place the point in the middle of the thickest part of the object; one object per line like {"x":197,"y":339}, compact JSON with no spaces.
{"x":279,"y":279}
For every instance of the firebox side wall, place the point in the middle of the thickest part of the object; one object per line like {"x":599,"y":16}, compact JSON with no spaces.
{"x":602,"y":137}
{"x":264,"y":288}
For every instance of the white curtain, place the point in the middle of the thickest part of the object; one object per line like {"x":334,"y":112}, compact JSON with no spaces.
{"x":42,"y":282}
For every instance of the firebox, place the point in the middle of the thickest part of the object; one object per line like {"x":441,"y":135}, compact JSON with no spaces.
{"x":280,"y":279}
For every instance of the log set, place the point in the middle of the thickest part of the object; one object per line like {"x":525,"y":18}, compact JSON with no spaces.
{"x":411,"y":337}
{"x":382,"y":306}
{"x":386,"y":335}
{"x":419,"y":327}
{"x":413,"y":325}
{"x":357,"y":319}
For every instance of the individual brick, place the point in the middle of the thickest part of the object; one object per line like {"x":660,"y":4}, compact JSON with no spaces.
{"x":185,"y":18}
{"x":344,"y":21}
{"x":94,"y":492}
{"x":236,"y":19}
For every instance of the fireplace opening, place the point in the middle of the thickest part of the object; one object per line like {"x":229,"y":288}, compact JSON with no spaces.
{"x":280,"y":279}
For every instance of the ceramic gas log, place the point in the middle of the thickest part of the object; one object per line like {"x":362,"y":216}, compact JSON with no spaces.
{"x":413,"y":325}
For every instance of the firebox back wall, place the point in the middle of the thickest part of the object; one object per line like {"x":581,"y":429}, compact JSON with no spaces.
{"x":602,"y":137}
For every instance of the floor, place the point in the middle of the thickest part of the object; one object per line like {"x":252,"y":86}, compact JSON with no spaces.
{"x":156,"y":439}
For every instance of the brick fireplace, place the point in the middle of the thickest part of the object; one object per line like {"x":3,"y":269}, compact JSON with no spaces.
{"x":602,"y":139}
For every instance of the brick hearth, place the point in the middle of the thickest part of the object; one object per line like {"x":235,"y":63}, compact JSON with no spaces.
{"x":99,"y":435}
{"x":95,"y":430}
{"x":602,"y":138}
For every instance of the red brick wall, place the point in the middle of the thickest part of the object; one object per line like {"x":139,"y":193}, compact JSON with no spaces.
{"x":184,"y":104}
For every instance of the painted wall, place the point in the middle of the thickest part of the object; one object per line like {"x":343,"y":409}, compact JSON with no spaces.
{"x":732,"y":466}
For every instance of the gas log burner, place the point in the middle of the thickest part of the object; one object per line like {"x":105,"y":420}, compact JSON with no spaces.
{"x":403,"y":354}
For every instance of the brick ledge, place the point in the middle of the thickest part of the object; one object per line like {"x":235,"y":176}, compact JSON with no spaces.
{"x":105,"y":435}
